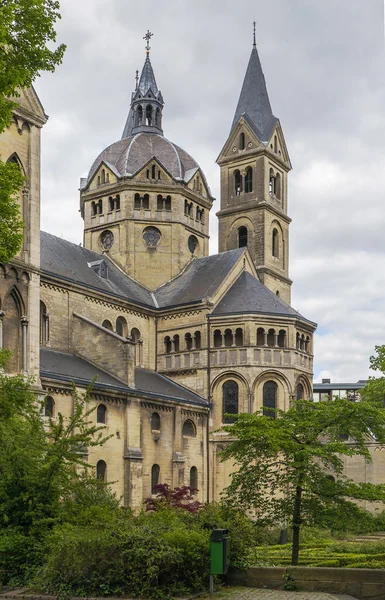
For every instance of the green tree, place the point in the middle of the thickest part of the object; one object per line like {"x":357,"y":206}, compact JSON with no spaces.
{"x":26,"y":34}
{"x":40,"y":466}
{"x":290,"y":468}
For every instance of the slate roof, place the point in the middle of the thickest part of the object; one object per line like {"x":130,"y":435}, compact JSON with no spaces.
{"x":248,"y":295}
{"x":200,"y":279}
{"x":131,"y":154}
{"x":69,"y":367}
{"x":68,"y":261}
{"x":254,"y":101}
{"x":147,"y":79}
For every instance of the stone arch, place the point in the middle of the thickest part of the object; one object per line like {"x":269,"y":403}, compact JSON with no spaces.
{"x":122,"y":327}
{"x":14,"y":158}
{"x":307,"y":387}
{"x":235,"y":226}
{"x":284,"y":390}
{"x":217,"y":394}
{"x":12,"y":339}
{"x":281,"y":249}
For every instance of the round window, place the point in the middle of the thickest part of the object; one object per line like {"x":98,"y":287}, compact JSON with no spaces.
{"x":192,"y":243}
{"x":151,"y":236}
{"x":106,"y":239}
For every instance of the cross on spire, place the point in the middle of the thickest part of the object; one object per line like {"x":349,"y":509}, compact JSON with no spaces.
{"x":147,"y":37}
{"x":136,"y":79}
{"x":254,"y":42}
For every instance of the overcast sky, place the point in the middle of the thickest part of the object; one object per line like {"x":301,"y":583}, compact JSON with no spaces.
{"x":324,"y":66}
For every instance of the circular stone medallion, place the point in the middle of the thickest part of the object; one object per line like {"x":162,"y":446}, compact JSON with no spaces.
{"x":151,"y":236}
{"x":107,"y":239}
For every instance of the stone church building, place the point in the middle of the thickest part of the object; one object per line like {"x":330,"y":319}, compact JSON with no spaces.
{"x":177,"y":339}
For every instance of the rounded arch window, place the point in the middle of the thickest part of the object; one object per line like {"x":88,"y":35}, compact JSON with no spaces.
{"x":107,"y":324}
{"x":249,"y":180}
{"x":275,"y":243}
{"x":242,"y":141}
{"x":121,"y":327}
{"x":101,"y":470}
{"x":101,"y":414}
{"x":151,"y":236}
{"x":155,"y":476}
{"x":192,"y":243}
{"x":237,"y":182}
{"x":194,"y":479}
{"x":135,"y":335}
{"x":189,"y":429}
{"x":106,"y":239}
{"x":230,"y":392}
{"x":242,"y":237}
{"x":155,"y":422}
{"x":49,"y":405}
{"x":270,"y":399}
{"x":300,"y":394}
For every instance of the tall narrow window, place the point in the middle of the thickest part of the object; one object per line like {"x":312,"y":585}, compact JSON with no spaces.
{"x":44,"y":324}
{"x":111,"y":204}
{"x":140,"y":115}
{"x":275,"y":144}
{"x":189,"y":341}
{"x":49,"y":406}
{"x":242,"y":141}
{"x":217,"y":338}
{"x":249,"y":180}
{"x":239,"y":337}
{"x":137,"y":201}
{"x":101,"y":413}
{"x":282,"y":338}
{"x":228,"y":337}
{"x":101,"y":470}
{"x":117,"y":202}
{"x":270,"y":337}
{"x":242,"y":237}
{"x":149,"y":116}
{"x":300,"y":392}
{"x":275,"y":243}
{"x":159,"y":202}
{"x":230,"y":400}
{"x":103,"y":176}
{"x":272,"y":183}
{"x":121,"y":327}
{"x":146,"y":201}
{"x":278,"y":186}
{"x":155,"y":422}
{"x":153,"y":170}
{"x":260,"y":336}
{"x":198,"y":341}
{"x":94,"y":209}
{"x":189,"y":429}
{"x":100,"y":207}
{"x":194,"y":479}
{"x":237,"y":182}
{"x":107,"y":324}
{"x":167,"y":344}
{"x":269,"y":399}
{"x":176,"y":343}
{"x":155,"y":473}
{"x":167,"y":203}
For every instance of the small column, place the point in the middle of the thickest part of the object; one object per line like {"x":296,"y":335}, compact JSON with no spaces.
{"x":140,"y":352}
{"x":2,"y":315}
{"x":25,"y":219}
{"x":24,"y":329}
{"x":172,"y":345}
{"x":193,"y":347}
{"x":276,"y":340}
{"x":234,"y":339}
{"x":265,"y":338}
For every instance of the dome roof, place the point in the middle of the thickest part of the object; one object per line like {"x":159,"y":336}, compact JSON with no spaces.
{"x":129,"y":155}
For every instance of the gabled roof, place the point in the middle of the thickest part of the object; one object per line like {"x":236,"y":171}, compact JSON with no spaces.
{"x":200,"y":279}
{"x":254,"y":101}
{"x":248,"y":295}
{"x":69,"y":367}
{"x":68,"y":261}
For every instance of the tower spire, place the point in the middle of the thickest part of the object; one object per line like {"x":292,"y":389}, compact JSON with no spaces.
{"x":254,"y":42}
{"x":145,"y":115}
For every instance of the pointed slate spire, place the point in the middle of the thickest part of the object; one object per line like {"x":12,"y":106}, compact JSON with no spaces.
{"x":146,"y":108}
{"x":254,"y":101}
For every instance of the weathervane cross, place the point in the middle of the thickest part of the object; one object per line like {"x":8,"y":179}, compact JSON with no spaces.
{"x":147,"y":37}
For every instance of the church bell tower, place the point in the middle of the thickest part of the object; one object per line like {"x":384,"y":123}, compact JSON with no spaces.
{"x":254,"y":172}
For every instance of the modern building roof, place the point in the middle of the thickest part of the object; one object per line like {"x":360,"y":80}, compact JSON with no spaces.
{"x":129,"y":155}
{"x":254,"y":103}
{"x":200,"y":279}
{"x":327,"y":386}
{"x":69,"y":367}
{"x":71,"y":262}
{"x":248,"y":295}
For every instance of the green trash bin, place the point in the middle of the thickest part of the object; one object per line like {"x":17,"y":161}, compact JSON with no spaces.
{"x":219,"y":551}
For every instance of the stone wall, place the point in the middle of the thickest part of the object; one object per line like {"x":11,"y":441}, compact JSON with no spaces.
{"x":360,"y":583}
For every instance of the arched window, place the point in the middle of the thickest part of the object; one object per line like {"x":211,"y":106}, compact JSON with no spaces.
{"x":278,"y":186}
{"x":49,"y":406}
{"x":239,"y":337}
{"x":107,"y":324}
{"x":176,"y":343}
{"x":111,"y":204}
{"x":101,"y":470}
{"x":194,"y":479}
{"x":260,"y":336}
{"x":12,"y":339}
{"x":155,"y":473}
{"x":135,"y":335}
{"x":157,"y":120}
{"x":189,"y":429}
{"x":269,"y":398}
{"x":271,"y":183}
{"x":186,"y":207}
{"x":189,"y":341}
{"x":282,"y":338}
{"x":117,"y":202}
{"x":94,"y":209}
{"x":149,"y":116}
{"x":159,"y":202}
{"x":121,"y":327}
{"x":153,"y":171}
{"x":242,"y":141}
{"x":230,"y":400}
{"x":249,"y":180}
{"x":98,"y":179}
{"x":44,"y":324}
{"x":100,"y":207}
{"x":237,"y":182}
{"x":228,"y":337}
{"x":137,"y":201}
{"x":103,"y":176}
{"x":275,"y":144}
{"x":302,"y":342}
{"x":101,"y":414}
{"x":146,"y":201}
{"x":217,"y":338}
{"x":298,"y":341}
{"x":275,"y":243}
{"x":140,"y":115}
{"x":155,"y":422}
{"x":242,"y":237}
{"x":270,"y":337}
{"x":107,"y":177}
{"x":167,"y":344}
{"x":198,"y":341}
{"x":167,"y":204}
{"x":300,"y":395}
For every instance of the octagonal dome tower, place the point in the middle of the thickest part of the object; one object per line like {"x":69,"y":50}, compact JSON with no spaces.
{"x":145,"y":201}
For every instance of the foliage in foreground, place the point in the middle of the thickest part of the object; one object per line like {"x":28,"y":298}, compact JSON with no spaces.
{"x":284,"y":464}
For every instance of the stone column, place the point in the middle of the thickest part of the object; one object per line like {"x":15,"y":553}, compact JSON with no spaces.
{"x":26,"y":219}
{"x":24,"y":331}
{"x":265,"y":338}
{"x":276,"y":340}
{"x":234,"y":339}
{"x":2,"y":315}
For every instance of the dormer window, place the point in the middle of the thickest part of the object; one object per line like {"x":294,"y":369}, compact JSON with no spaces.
{"x":99,"y":267}
{"x":242,"y":141}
